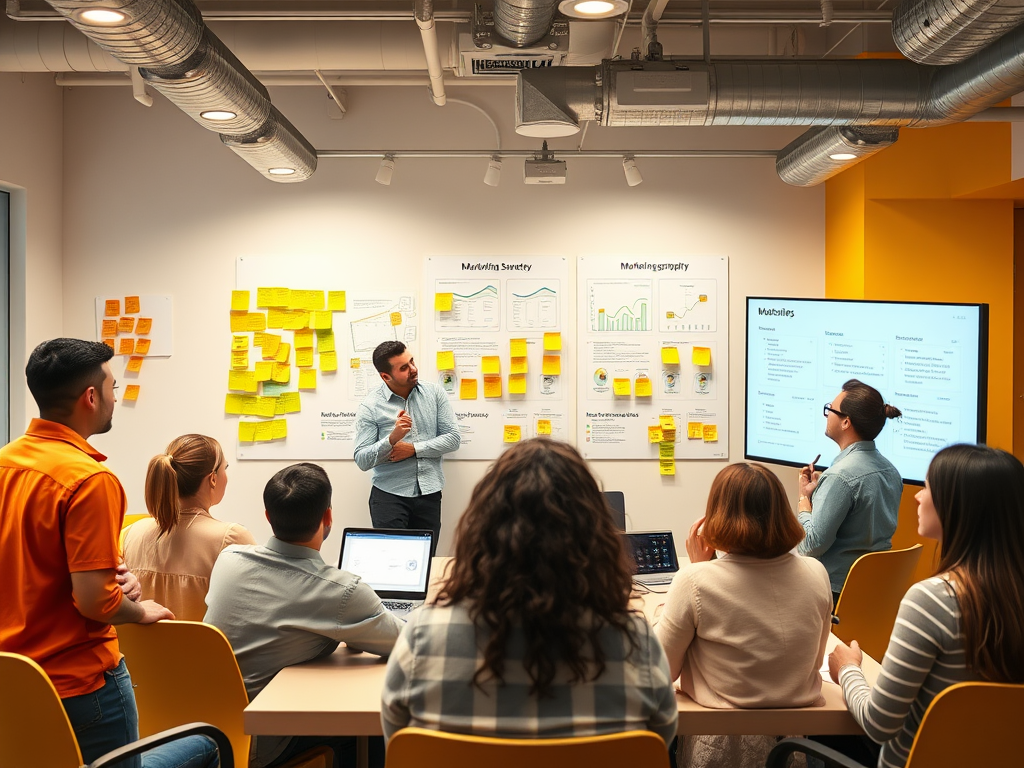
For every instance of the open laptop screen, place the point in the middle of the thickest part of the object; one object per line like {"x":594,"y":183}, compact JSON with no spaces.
{"x":652,"y":552}
{"x":395,"y":563}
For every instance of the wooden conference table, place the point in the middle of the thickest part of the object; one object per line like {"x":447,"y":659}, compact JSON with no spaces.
{"x":340,"y":695}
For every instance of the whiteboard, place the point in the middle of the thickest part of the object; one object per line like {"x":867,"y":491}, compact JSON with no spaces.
{"x":628,"y":310}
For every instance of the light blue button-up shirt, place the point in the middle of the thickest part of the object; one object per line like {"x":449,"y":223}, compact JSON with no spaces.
{"x":434,"y":433}
{"x":854,"y":510}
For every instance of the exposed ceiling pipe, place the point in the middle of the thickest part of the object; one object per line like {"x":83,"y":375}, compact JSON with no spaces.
{"x":425,"y":21}
{"x":649,"y":24}
{"x":821,"y":153}
{"x":523,"y":22}
{"x":949,"y":31}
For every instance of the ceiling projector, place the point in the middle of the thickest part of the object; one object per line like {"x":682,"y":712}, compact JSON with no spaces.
{"x":544,"y":169}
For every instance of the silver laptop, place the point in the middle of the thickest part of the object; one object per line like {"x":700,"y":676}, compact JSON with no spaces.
{"x":654,"y":556}
{"x":395,"y":563}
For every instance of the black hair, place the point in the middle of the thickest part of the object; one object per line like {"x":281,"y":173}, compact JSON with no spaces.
{"x":384,"y":352}
{"x":60,"y":370}
{"x":296,"y":499}
{"x":865,"y":408}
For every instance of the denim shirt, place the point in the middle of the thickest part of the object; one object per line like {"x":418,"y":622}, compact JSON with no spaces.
{"x":434,"y":433}
{"x":854,"y":510}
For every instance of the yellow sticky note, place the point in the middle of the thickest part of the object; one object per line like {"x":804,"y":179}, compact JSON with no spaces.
{"x":643,"y":387}
{"x":126,"y":325}
{"x":248,"y":404}
{"x":273,"y":297}
{"x":238,"y":321}
{"x":112,"y":308}
{"x":126,"y":347}
{"x":307,"y":379}
{"x":246,"y":431}
{"x":240,"y":360}
{"x":621,"y":387}
{"x":296,"y":319}
{"x":264,"y":431}
{"x":134,"y":364}
{"x":109,"y":329}
{"x":243,"y":381}
{"x":490,"y":365}
{"x":517,"y":347}
{"x":552,"y":365}
{"x":304,"y":339}
{"x":276,"y":317}
{"x":328,"y":361}
{"x":336,"y":301}
{"x":354,"y":363}
{"x":131,"y":304}
{"x":443,"y":302}
{"x":667,"y":466}
{"x":492,"y":386}
{"x":666,"y":450}
{"x":238,"y":343}
{"x":304,"y":358}
{"x":445,"y":361}
{"x":513,"y":432}
{"x":694,"y":430}
{"x":517,"y":384}
{"x":518,"y":365}
{"x":321,"y":320}
{"x":279,"y":428}
{"x":264,"y":371}
{"x":654,"y":434}
{"x":131,"y":392}
{"x":543,"y":426}
{"x":240,"y":300}
{"x":282,"y":373}
{"x":284,"y":350}
{"x":702,"y":356}
{"x":552,"y":342}
{"x":278,"y":407}
{"x":310,"y":300}
{"x":255,"y":321}
{"x":290,"y":401}
{"x":396,"y":318}
{"x":144,"y":326}
{"x":142,"y":346}
{"x":467,"y":389}
{"x":670,"y":355}
{"x":271,"y":346}
{"x":325,"y":341}
{"x":233,"y":404}
{"x":710,"y":433}
{"x":667,"y":421}
{"x":265,"y":406}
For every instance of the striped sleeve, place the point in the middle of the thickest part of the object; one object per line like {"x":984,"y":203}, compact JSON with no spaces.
{"x":926,"y":629}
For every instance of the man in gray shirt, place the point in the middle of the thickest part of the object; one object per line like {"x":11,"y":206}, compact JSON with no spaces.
{"x":281,"y":604}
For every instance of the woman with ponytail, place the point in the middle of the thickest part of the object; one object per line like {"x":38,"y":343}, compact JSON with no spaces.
{"x":173,"y":551}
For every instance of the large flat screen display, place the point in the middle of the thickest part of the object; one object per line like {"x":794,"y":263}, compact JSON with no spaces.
{"x":928,"y":360}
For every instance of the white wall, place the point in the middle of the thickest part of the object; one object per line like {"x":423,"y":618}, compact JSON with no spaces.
{"x":31,"y":156}
{"x":154,"y":204}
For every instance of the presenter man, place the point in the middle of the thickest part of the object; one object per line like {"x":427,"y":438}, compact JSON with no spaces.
{"x":403,"y":429}
{"x":850,"y":509}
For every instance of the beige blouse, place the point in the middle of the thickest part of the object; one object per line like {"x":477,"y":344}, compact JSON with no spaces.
{"x":175,"y":569}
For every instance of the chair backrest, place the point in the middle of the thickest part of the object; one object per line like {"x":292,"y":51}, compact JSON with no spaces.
{"x":421,"y":748}
{"x":970,"y":724}
{"x":185,"y":671}
{"x":617,"y":503}
{"x":34,"y":728}
{"x":871,"y":598}
{"x":129,"y":519}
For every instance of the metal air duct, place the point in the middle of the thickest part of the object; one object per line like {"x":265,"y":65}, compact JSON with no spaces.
{"x":821,"y":153}
{"x":523,"y":22}
{"x":948,"y":31}
{"x":275,"y":148}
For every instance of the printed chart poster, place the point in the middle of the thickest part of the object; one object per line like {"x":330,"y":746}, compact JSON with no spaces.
{"x":498,"y":343}
{"x":315,"y":322}
{"x":653,"y":343}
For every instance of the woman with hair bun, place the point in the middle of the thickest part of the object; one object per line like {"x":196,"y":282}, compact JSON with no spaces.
{"x":173,"y":551}
{"x":850,"y":509}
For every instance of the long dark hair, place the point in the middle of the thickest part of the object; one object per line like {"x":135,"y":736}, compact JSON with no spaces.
{"x":537,"y":550}
{"x":978,"y":494}
{"x":866,"y":410}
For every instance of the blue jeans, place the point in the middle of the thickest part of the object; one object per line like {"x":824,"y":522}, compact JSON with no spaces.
{"x":107,"y":719}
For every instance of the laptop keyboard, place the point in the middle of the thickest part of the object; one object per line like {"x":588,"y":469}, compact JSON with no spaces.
{"x":397,"y":606}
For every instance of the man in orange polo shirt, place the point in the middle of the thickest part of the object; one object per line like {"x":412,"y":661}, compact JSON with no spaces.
{"x":60,"y":513}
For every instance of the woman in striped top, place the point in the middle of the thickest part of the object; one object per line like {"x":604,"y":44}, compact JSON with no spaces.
{"x":962,"y":624}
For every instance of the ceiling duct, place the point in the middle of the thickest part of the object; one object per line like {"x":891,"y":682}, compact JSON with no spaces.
{"x":523,"y":22}
{"x":821,"y":153}
{"x":948,"y":31}
{"x":176,"y":53}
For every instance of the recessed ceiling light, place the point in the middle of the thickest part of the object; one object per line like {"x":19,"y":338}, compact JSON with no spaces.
{"x":280,"y":171}
{"x":593,"y":9}
{"x":843,"y":156}
{"x":218,"y":115}
{"x":100,"y":16}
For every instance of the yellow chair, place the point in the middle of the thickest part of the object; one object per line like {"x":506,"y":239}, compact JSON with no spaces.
{"x":871,"y":598}
{"x":966,"y":725}
{"x":422,"y":748}
{"x":35,"y":730}
{"x":129,"y":519}
{"x":186,"y":670}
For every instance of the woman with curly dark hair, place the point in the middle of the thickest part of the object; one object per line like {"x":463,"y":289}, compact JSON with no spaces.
{"x":532,"y":634}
